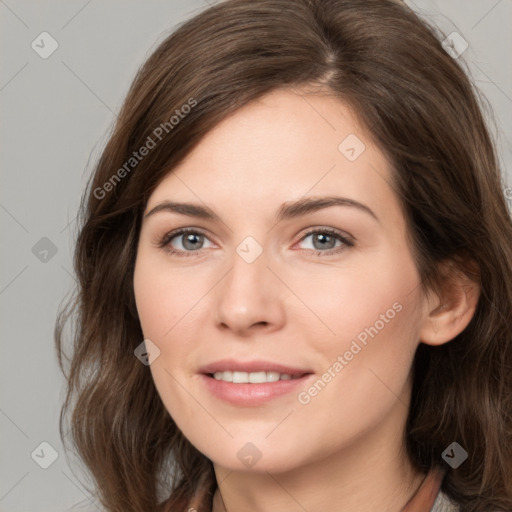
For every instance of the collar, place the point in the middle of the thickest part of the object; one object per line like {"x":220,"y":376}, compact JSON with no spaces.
{"x":422,"y":501}
{"x":424,"y":498}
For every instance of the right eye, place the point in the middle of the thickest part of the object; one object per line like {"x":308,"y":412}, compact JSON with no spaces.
{"x":183,"y":241}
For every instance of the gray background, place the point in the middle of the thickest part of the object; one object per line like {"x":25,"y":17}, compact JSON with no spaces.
{"x":55,"y":116}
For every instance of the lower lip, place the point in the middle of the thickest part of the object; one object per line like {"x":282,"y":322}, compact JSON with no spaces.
{"x":252,"y":394}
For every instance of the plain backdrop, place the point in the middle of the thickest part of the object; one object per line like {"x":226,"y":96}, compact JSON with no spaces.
{"x":55,"y":115}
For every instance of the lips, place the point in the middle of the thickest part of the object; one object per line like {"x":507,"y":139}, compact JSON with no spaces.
{"x":254,"y":366}
{"x":239,"y":392}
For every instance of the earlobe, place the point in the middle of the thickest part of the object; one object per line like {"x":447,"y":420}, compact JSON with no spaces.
{"x":452,"y":312}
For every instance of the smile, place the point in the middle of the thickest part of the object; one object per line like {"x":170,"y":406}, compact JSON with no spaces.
{"x":241,"y":392}
{"x":252,"y":377}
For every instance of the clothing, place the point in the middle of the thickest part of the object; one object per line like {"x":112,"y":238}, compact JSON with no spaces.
{"x":429,"y":497}
{"x":443,"y":504}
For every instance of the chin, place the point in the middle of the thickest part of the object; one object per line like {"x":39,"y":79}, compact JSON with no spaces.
{"x":273,"y":464}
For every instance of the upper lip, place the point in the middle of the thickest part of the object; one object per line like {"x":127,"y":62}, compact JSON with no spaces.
{"x":250,"y":367}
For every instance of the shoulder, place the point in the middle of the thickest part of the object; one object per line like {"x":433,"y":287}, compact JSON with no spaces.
{"x":444,"y":504}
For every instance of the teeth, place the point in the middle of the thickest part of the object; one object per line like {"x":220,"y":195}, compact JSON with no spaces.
{"x":252,"y":377}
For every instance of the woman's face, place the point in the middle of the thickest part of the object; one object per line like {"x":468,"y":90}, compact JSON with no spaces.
{"x":295,"y":263}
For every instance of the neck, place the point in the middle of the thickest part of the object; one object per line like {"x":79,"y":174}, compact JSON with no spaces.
{"x":373,"y":473}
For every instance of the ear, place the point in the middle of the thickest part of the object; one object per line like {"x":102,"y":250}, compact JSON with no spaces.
{"x":447,"y":315}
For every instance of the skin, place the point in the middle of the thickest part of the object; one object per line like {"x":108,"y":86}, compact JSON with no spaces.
{"x":298,"y":303}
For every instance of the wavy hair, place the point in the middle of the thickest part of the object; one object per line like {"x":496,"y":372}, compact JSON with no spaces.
{"x":423,"y":112}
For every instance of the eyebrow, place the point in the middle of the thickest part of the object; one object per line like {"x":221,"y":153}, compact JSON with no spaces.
{"x":287,"y":210}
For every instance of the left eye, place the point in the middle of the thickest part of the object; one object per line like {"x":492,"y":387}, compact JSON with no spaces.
{"x":325,"y":240}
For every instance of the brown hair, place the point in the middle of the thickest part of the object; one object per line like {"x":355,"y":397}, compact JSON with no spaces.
{"x":419,"y":105}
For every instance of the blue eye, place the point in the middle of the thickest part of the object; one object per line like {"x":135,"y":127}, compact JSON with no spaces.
{"x":327,"y":241}
{"x":187,"y":241}
{"x":190,"y":241}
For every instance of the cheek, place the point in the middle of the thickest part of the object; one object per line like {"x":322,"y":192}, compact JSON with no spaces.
{"x":167,"y":304}
{"x":164,"y":298}
{"x":367,"y":337}
{"x":376,"y":298}
{"x":367,"y":366}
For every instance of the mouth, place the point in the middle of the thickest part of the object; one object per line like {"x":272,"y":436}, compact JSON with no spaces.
{"x":252,"y":383}
{"x":233,"y":369}
{"x":253,"y":377}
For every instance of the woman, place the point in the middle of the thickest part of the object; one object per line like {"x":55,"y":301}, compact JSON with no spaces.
{"x":295,"y":286}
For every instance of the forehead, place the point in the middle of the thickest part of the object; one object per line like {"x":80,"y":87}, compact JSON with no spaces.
{"x":282,"y":146}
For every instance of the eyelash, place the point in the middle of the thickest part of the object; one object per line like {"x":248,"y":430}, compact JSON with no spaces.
{"x":164,"y":242}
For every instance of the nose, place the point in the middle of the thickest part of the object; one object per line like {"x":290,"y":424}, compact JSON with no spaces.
{"x":249,"y":299}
